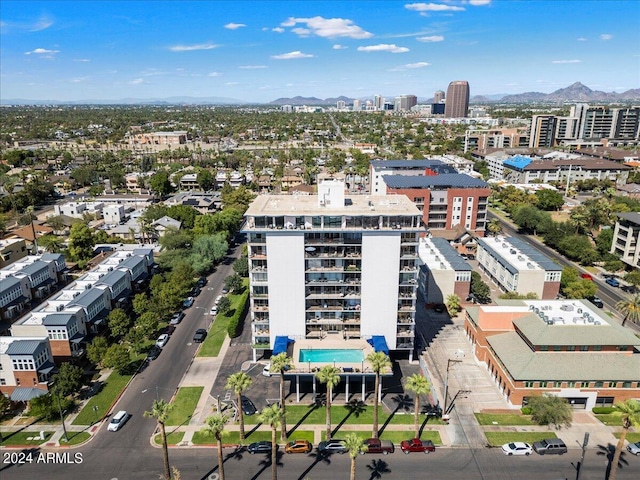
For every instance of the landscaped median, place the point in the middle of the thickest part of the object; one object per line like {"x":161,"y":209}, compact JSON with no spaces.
{"x":173,"y":438}
{"x":184,"y":404}
{"x":233,"y":438}
{"x":497,"y":438}
{"x":111,"y":389}
{"x":75,"y":438}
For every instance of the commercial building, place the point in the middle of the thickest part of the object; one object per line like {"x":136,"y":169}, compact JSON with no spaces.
{"x":626,"y":238}
{"x":158,"y":138}
{"x":404,"y":103}
{"x":330,"y":267}
{"x":516,"y":266}
{"x":566,"y":348}
{"x":442,"y":271}
{"x":457,"y":100}
{"x":379,"y":168}
{"x":527,"y":170}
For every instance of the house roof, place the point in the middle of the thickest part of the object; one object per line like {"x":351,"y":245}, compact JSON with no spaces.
{"x":167,"y":222}
{"x":583,"y":163}
{"x":9,"y":283}
{"x":87,"y":297}
{"x":34,"y":267}
{"x":112,"y":277}
{"x":24,"y":347}
{"x":27,"y":234}
{"x":436,"y":165}
{"x":630,"y":216}
{"x":24,"y":394}
{"x":58,"y":319}
{"x":451,"y":255}
{"x":444,"y":180}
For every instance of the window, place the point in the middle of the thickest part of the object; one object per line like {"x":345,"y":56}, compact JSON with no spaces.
{"x":528,"y":384}
{"x":597,"y":348}
{"x":557,"y":348}
{"x":544,"y":348}
{"x":571,"y":348}
{"x":613,"y":384}
{"x":557,"y":384}
{"x":3,"y":381}
{"x":626,"y":384}
{"x":571,"y":384}
{"x":584,"y":348}
{"x":598,"y":384}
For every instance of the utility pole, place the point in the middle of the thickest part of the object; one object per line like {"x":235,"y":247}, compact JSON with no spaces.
{"x":446,"y":382}
{"x":64,"y":428}
{"x":584,"y":450}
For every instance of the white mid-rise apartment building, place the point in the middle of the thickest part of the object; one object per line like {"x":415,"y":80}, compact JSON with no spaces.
{"x":331,"y":266}
{"x":626,"y":238}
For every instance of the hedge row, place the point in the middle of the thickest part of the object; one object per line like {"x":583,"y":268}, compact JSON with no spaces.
{"x":603,"y":410}
{"x":235,"y":326}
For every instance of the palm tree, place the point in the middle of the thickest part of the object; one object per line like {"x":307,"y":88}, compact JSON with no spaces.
{"x":215,"y":426}
{"x":239,"y":383}
{"x":354,"y":444}
{"x":379,"y":361}
{"x":272,"y":415}
{"x":280,"y":363}
{"x":419,"y":385}
{"x":494,"y":226}
{"x":331,"y":376}
{"x":630,"y":308}
{"x":630,"y":410}
{"x":160,"y":411}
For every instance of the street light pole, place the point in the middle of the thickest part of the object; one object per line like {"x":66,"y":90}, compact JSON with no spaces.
{"x":446,"y":382}
{"x":584,"y":449}
{"x":64,"y":428}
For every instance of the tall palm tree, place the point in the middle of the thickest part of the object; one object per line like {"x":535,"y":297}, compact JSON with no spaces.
{"x":331,"y":376}
{"x":160,"y":411}
{"x":630,"y":410}
{"x":272,"y":415}
{"x":419,"y":385}
{"x":630,"y":308}
{"x":239,"y":383}
{"x":354,"y":444}
{"x":379,"y":361}
{"x":280,"y":363}
{"x":215,"y":426}
{"x":494,"y":226}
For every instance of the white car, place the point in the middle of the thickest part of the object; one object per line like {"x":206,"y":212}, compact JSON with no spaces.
{"x":218,"y":298}
{"x":266,"y":371}
{"x":117,"y":421}
{"x":162,"y":340}
{"x":214,"y":310}
{"x":516,"y":448}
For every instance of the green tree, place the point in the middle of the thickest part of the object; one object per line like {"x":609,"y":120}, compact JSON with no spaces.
{"x":241,"y":266}
{"x":97,"y":349}
{"x":379,"y":362}
{"x":215,"y":427}
{"x":355,"y":446}
{"x":453,"y":304}
{"x":633,"y":278}
{"x":551,"y":410}
{"x":630,"y":308}
{"x":117,"y":357}
{"x":604,"y":241}
{"x":280,"y":363}
{"x":119,"y":322}
{"x":141,"y":303}
{"x":239,"y":383}
{"x":419,"y":385}
{"x":205,"y":179}
{"x":81,"y":242}
{"x":160,"y":411}
{"x":51,"y":243}
{"x":68,"y":380}
{"x":529,"y":218}
{"x":494,"y":227}
{"x":233,"y":282}
{"x":630,"y":411}
{"x":148,"y":324}
{"x":330,"y":376}
{"x":46,"y":406}
{"x":224,"y":305}
{"x":549,"y":199}
{"x":479,"y":288}
{"x":160,"y":184}
{"x":273,"y":416}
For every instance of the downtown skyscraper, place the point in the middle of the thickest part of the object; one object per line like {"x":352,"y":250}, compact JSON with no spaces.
{"x":457,"y":99}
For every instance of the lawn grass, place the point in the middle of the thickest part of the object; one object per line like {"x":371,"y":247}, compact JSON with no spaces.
{"x":183,"y":405}
{"x":20,"y":439}
{"x":173,"y":438}
{"x":111,"y":389}
{"x":632,"y":437}
{"x":496,"y":439}
{"x":203,"y":438}
{"x":393,"y":436}
{"x":503,"y":419}
{"x":75,"y":438}
{"x":613,"y":419}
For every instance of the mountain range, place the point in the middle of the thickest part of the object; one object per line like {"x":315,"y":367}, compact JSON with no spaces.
{"x":573,"y":93}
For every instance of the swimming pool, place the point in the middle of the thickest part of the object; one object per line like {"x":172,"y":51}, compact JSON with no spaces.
{"x":339,"y":355}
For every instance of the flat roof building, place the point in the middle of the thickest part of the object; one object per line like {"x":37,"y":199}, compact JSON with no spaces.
{"x":442,"y":271}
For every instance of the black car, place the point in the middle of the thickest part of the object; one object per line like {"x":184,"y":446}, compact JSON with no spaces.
{"x":248,"y":408}
{"x":195,"y":292}
{"x":260,"y":447}
{"x":202,"y":281}
{"x":200,"y":335}
{"x":596,"y":301}
{"x":332,"y":446}
{"x":153,"y":353}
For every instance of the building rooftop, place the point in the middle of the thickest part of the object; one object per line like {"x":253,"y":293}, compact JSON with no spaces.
{"x":633,"y":217}
{"x":519,"y":162}
{"x":438,"y":254}
{"x":35,"y":267}
{"x":57,"y":319}
{"x":444,"y":180}
{"x":24,"y":346}
{"x":583,"y":163}
{"x":516,"y":255}
{"x":435,"y":165}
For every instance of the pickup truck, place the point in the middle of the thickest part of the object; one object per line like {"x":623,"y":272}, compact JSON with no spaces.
{"x":375,"y":445}
{"x":417,"y":445}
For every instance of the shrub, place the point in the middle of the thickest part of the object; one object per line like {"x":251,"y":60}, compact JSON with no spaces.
{"x":603,"y":410}
{"x":234,"y":326}
{"x":526,"y":410}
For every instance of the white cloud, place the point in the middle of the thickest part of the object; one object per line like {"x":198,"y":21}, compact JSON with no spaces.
{"x":339,"y":47}
{"x":191,"y":48}
{"x":231,"y":83}
{"x":433,"y":7}
{"x":606,"y":36}
{"x":417,"y":65}
{"x":581,"y":39}
{"x":327,"y":27}
{"x":291,"y":55}
{"x":43,"y":52}
{"x":252,"y":67}
{"x":41,"y":24}
{"x":303,"y":32}
{"x":478,"y":3}
{"x":79,"y":79}
{"x":431,"y":38}
{"x":234,"y":26}
{"x":81,"y":60}
{"x":137,"y":81}
{"x":566,"y":61}
{"x":214,"y":74}
{"x":278,"y":30}
{"x":384,"y":47}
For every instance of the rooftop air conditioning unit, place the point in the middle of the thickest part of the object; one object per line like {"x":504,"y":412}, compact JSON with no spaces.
{"x":75,"y":294}
{"x":513,"y":252}
{"x":579,"y":310}
{"x":59,"y":308}
{"x":110,"y":269}
{"x":531,"y":307}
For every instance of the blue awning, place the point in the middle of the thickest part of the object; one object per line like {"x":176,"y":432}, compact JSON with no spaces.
{"x":379,"y":344}
{"x":280,"y":345}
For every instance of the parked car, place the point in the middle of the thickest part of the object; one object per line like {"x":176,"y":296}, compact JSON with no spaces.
{"x":417,"y":445}
{"x":586,"y":276}
{"x":200,"y":335}
{"x":266,"y":371}
{"x":153,"y":353}
{"x":260,"y":447}
{"x":177,"y":318}
{"x":117,"y":421}
{"x":214,"y":310}
{"x":202,"y":281}
{"x":225,"y":290}
{"x":516,"y":448}
{"x":188,"y":302}
{"x":169,"y":329}
{"x":613,"y":282}
{"x":550,"y":446}
{"x":162,"y":340}
{"x":596,"y":301}
{"x":298,"y":446}
{"x":634,"y":448}
{"x":195,"y":292}
{"x":248,"y":408}
{"x":332,"y":446}
{"x":375,"y":445}
{"x":218,"y":298}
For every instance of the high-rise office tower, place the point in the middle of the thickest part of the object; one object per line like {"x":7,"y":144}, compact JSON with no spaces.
{"x":357,"y":105}
{"x":457,"y":100}
{"x":378,"y":102}
{"x":438,"y":97}
{"x":404,"y":103}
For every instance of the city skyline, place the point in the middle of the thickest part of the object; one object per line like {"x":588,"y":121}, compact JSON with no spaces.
{"x":261,"y":51}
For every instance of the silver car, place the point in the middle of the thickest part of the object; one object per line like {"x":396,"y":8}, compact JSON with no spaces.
{"x":634,"y":448}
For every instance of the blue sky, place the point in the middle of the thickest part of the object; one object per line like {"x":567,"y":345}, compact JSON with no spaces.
{"x":260,"y":51}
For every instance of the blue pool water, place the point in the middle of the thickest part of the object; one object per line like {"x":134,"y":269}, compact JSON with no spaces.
{"x":332,"y":355}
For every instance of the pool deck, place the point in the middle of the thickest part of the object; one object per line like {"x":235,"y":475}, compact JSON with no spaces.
{"x":331,"y":342}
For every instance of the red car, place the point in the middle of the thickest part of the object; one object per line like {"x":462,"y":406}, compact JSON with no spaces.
{"x":417,"y":445}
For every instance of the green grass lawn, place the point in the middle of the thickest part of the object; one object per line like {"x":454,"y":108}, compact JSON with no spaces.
{"x":503,"y":419}
{"x":75,"y":438}
{"x":113,"y":386}
{"x":393,"y":436}
{"x":173,"y":438}
{"x":632,"y":437}
{"x":203,"y":438}
{"x":612,"y":419}
{"x":20,"y":438}
{"x":183,"y":405}
{"x":496,"y":439}
{"x":218,"y":332}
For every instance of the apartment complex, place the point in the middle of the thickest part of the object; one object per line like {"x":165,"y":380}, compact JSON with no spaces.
{"x":26,"y":366}
{"x":566,"y":348}
{"x":331,"y":266}
{"x":442,"y":271}
{"x":457,"y":100}
{"x":626,"y":238}
{"x":379,"y":168}
{"x":483,"y":139}
{"x":12,"y":250}
{"x":158,"y":138}
{"x":516,"y":266}
{"x":526,"y":170}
